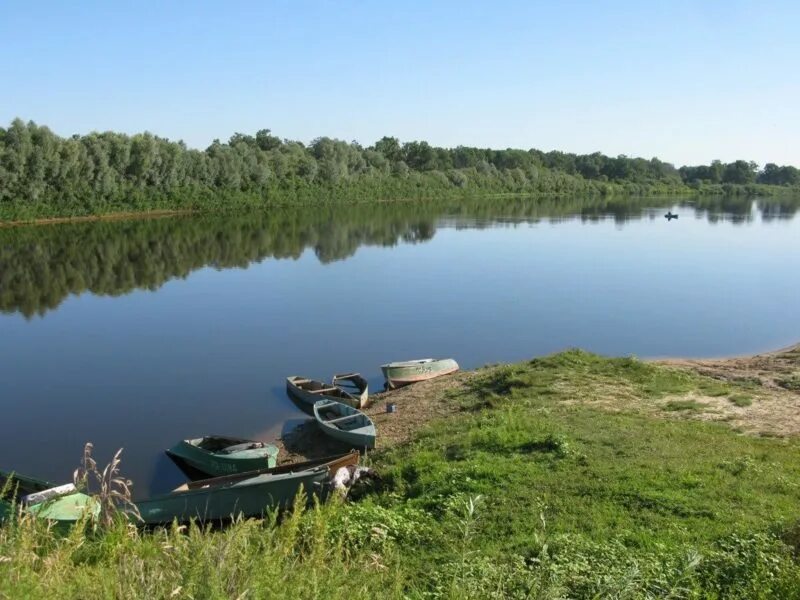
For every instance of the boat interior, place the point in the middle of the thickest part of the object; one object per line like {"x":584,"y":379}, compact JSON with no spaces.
{"x":225,"y":445}
{"x":332,"y":462}
{"x":317,"y":387}
{"x":343,"y":422}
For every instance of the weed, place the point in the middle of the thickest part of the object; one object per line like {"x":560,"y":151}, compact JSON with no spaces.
{"x":791,"y":382}
{"x":741,"y":399}
{"x":689,"y":405}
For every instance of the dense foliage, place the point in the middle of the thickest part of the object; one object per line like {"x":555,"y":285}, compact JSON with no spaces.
{"x":42,"y":173}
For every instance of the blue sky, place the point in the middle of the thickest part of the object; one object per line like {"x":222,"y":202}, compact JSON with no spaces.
{"x":685,"y":81}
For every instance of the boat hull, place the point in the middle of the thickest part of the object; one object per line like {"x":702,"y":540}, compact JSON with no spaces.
{"x":406,"y":373}
{"x":250,"y":497}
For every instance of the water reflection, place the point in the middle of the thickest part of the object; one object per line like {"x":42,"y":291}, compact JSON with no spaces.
{"x":41,"y":266}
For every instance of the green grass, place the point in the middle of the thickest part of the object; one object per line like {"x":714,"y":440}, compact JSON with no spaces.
{"x":690,"y":405}
{"x":555,"y":480}
{"x":741,"y":399}
{"x":791,"y":382}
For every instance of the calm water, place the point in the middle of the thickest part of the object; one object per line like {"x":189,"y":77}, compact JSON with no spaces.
{"x":140,"y":333}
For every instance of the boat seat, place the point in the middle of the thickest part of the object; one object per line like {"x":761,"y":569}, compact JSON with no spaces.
{"x":323,"y":390}
{"x":340,"y":419}
{"x":240,"y":447}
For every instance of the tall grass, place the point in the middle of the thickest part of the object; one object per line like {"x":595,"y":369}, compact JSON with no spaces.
{"x":296,"y":558}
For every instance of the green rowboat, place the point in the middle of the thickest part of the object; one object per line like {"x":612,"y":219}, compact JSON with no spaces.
{"x":333,"y":463}
{"x":62,"y":504}
{"x":215,"y":455}
{"x":398,"y":374}
{"x":247,"y":494}
{"x":345,"y":423}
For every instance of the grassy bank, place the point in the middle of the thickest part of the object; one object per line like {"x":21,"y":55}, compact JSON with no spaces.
{"x":567,"y":476}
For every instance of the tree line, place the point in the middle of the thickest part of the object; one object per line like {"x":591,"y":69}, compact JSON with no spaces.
{"x":42,"y":173}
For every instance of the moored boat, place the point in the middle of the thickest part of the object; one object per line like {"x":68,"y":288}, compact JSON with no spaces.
{"x":246,"y":494}
{"x":214,"y":455}
{"x":355,"y":385}
{"x":398,"y":374}
{"x":345,"y":423}
{"x":309,"y":391}
{"x":62,"y":504}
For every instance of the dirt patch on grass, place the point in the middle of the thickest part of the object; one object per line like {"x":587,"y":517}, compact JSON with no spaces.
{"x":767,"y":378}
{"x":770,"y":370}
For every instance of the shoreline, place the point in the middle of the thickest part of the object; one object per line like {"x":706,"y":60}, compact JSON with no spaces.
{"x":114,"y":216}
{"x":667,"y":359}
{"x":448,"y":195}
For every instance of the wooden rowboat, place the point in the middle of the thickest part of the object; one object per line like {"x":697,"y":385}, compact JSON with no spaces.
{"x":398,"y":374}
{"x":345,"y":423}
{"x":308,"y":391}
{"x":214,"y":455}
{"x":61,"y":504}
{"x":245,"y":494}
{"x":355,"y":385}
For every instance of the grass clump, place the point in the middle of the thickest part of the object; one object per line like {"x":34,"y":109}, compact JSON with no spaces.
{"x":691,"y":405}
{"x":741,"y":399}
{"x":791,"y":382}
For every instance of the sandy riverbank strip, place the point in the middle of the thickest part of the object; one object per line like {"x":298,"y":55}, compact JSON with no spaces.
{"x":116,"y":216}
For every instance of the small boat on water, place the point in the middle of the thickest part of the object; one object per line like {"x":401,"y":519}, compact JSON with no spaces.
{"x":308,"y":391}
{"x":345,"y":423}
{"x":63,"y":504}
{"x":245,"y":494}
{"x":355,"y":385}
{"x":398,"y":374}
{"x":215,"y":455}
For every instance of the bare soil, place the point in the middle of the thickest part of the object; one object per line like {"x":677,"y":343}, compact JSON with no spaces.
{"x":775,"y":409}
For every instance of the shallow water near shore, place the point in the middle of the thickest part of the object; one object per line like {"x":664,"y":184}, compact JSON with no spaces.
{"x":140,"y":333}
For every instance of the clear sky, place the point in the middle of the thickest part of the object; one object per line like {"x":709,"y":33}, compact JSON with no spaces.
{"x":685,"y":81}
